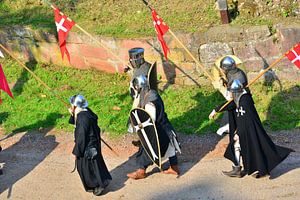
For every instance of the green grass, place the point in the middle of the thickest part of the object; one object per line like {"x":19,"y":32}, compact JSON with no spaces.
{"x":129,"y":18}
{"x":188,"y":107}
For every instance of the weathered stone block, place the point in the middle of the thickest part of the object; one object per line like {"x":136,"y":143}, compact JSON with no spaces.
{"x":267,"y":48}
{"x":103,"y":65}
{"x":288,"y":37}
{"x":176,"y":56}
{"x":243,"y":50}
{"x":254,"y":64}
{"x":94,"y":52}
{"x":224,"y":33}
{"x":212,"y":51}
{"x":257,"y":33}
{"x":185,"y":38}
{"x":77,"y":61}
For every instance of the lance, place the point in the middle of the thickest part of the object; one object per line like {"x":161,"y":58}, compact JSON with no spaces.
{"x":90,"y":36}
{"x":184,"y":47}
{"x":46,"y":86}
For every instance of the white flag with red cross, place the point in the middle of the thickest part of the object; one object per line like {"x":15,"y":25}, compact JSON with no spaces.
{"x":63,"y":25}
{"x":294,"y":55}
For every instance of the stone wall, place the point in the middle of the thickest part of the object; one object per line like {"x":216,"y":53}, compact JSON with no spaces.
{"x":256,"y":46}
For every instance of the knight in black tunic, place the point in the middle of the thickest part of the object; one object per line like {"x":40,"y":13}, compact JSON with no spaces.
{"x":232,"y":72}
{"x":258,"y":152}
{"x":140,"y":67}
{"x":89,"y":161}
{"x":153,"y":104}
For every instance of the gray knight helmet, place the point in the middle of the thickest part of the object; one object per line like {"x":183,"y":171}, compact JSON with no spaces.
{"x":227,"y":64}
{"x":136,"y":57}
{"x":78,"y":101}
{"x":140,"y":82}
{"x":236,"y":86}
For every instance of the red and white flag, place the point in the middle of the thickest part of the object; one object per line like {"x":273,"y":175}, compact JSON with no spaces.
{"x":294,"y":55}
{"x":161,"y":28}
{"x":63,"y":26}
{"x":3,"y":84}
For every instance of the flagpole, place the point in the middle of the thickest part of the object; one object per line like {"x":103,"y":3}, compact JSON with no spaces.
{"x":184,"y":47}
{"x":191,"y":55}
{"x":93,"y":38}
{"x":255,"y":79}
{"x":34,"y":75}
{"x":46,"y":86}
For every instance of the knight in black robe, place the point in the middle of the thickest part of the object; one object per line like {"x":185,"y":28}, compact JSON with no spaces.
{"x":232,"y":72}
{"x":259,"y":154}
{"x":153,"y":104}
{"x":90,"y":164}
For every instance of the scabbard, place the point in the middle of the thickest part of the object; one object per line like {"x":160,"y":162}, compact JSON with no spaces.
{"x":75,"y":166}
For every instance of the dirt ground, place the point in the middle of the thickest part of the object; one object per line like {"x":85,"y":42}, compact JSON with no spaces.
{"x":37,"y":165}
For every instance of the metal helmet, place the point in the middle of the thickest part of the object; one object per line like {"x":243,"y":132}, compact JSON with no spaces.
{"x":136,"y":57}
{"x":140,"y":82}
{"x":78,"y":101}
{"x":236,"y":86}
{"x":227,"y":64}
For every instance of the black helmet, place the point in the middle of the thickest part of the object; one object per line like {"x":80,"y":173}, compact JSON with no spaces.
{"x":227,"y":64}
{"x":136,"y":57}
{"x":236,"y":86}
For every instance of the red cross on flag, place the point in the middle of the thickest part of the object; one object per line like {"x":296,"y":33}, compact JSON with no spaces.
{"x":294,"y":55}
{"x":63,"y":26}
{"x":3,"y":84}
{"x":161,"y":28}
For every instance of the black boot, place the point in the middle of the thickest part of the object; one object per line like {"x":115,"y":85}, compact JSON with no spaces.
{"x":235,"y":172}
{"x":98,"y":191}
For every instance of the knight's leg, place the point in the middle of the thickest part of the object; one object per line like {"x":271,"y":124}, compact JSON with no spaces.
{"x":236,"y":169}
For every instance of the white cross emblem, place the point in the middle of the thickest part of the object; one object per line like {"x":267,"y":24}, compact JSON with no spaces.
{"x":240,"y":111}
{"x":141,"y":126}
{"x":60,"y":26}
{"x":1,"y":55}
{"x":297,"y":56}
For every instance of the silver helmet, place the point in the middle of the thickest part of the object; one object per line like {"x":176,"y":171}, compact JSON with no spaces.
{"x":136,"y":57}
{"x":227,"y":64}
{"x":140,"y":82}
{"x":78,"y":101}
{"x":236,"y":86}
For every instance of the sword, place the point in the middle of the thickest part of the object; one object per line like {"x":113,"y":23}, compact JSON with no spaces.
{"x":75,"y":166}
{"x":109,"y":147}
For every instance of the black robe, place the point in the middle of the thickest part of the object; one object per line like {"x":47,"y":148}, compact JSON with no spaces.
{"x":258,"y":151}
{"x":92,"y":171}
{"x":163,"y":127}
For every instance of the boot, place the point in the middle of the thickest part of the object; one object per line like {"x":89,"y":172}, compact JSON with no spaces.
{"x":97,"y":191}
{"x":173,"y":169}
{"x":136,"y":143}
{"x":138,"y":174}
{"x":235,"y":172}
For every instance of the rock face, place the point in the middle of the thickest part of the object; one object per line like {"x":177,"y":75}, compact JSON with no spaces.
{"x":256,"y":46}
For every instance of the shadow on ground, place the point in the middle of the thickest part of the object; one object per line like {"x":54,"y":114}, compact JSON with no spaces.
{"x":26,"y":147}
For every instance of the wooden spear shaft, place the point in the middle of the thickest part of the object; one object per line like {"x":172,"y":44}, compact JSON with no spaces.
{"x":255,"y":79}
{"x":183,"y":46}
{"x":93,"y":38}
{"x":34,"y":75}
{"x":46,"y":86}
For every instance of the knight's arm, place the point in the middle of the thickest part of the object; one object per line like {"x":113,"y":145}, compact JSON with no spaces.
{"x":150,"y":108}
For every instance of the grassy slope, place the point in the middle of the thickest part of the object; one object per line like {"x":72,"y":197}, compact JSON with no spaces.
{"x":34,"y":107}
{"x":128,"y":18}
